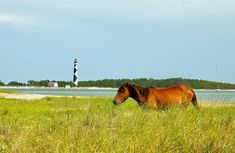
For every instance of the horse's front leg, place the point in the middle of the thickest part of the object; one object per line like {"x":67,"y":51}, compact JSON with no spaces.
{"x":144,"y":105}
{"x":151,"y":104}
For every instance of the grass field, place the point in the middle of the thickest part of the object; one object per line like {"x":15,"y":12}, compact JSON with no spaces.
{"x":94,"y":125}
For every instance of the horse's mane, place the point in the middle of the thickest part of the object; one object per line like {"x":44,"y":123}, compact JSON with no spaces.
{"x":137,"y":92}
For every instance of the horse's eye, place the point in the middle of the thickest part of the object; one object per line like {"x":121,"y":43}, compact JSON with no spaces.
{"x":121,"y":90}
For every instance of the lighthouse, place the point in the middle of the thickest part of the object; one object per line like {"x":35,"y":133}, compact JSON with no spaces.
{"x":75,"y":72}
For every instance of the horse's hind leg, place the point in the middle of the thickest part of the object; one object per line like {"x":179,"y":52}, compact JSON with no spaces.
{"x":148,"y":107}
{"x":184,"y":104}
{"x":194,"y":100}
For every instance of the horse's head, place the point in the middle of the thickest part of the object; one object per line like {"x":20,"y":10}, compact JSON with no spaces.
{"x":122,"y":94}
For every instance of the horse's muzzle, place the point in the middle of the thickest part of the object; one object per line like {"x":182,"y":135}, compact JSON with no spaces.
{"x":115,"y":102}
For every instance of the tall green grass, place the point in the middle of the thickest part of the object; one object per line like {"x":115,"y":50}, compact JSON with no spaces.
{"x":95,"y":125}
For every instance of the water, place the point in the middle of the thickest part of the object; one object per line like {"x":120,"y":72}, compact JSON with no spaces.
{"x":216,"y":96}
{"x":67,"y":92}
{"x":202,"y":95}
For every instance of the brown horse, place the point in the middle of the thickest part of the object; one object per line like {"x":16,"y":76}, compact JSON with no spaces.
{"x":156,"y":97}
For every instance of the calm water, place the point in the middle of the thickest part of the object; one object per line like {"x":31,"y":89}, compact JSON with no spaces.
{"x":202,"y":95}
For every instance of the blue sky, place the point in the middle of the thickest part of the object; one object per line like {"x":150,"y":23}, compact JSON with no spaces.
{"x":160,"y":39}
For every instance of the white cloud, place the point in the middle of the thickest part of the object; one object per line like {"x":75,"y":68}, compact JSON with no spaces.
{"x":10,"y":18}
{"x":140,"y":9}
{"x":21,"y":21}
{"x":44,"y":13}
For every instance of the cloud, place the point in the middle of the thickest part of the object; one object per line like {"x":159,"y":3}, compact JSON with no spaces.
{"x":19,"y":21}
{"x":138,"y":10}
{"x":16,"y":19}
{"x":50,"y":14}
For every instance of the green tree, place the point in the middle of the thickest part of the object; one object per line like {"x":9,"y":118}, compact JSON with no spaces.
{"x":15,"y":83}
{"x":115,"y":83}
{"x":1,"y":83}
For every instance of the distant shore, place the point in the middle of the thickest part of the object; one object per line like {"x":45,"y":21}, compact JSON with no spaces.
{"x":31,"y":87}
{"x":91,"y":88}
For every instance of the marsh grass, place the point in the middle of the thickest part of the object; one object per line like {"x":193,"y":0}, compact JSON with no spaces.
{"x":95,"y":125}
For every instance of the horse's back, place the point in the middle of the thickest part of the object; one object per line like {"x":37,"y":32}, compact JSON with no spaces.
{"x":173,"y":95}
{"x":176,"y":88}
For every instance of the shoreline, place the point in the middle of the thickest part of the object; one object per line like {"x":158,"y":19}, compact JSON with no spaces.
{"x":71,"y":88}
{"x":26,"y":96}
{"x":22,"y":96}
{"x":91,"y":88}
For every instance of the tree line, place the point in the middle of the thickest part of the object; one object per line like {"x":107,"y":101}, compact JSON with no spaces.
{"x":194,"y":83}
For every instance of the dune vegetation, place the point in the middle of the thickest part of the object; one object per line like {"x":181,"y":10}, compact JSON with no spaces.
{"x":95,"y":125}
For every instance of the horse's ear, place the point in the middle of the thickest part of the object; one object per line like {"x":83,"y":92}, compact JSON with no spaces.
{"x":125,"y":84}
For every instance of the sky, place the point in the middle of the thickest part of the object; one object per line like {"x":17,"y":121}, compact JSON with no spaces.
{"x":113,"y":39}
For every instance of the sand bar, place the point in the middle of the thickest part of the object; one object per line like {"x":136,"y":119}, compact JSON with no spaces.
{"x":22,"y":96}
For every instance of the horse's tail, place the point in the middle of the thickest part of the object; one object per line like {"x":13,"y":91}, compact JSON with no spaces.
{"x":194,"y":100}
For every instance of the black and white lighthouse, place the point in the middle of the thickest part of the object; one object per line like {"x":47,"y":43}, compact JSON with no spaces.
{"x":75,"y":72}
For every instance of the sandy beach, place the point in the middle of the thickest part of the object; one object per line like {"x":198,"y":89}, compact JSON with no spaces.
{"x":32,"y":96}
{"x":21,"y":96}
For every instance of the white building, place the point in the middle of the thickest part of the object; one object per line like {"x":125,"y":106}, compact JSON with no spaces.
{"x":53,"y":84}
{"x":67,"y":86}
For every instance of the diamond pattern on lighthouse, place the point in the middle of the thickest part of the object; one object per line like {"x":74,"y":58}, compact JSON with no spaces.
{"x":75,"y":78}
{"x":75,"y":74}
